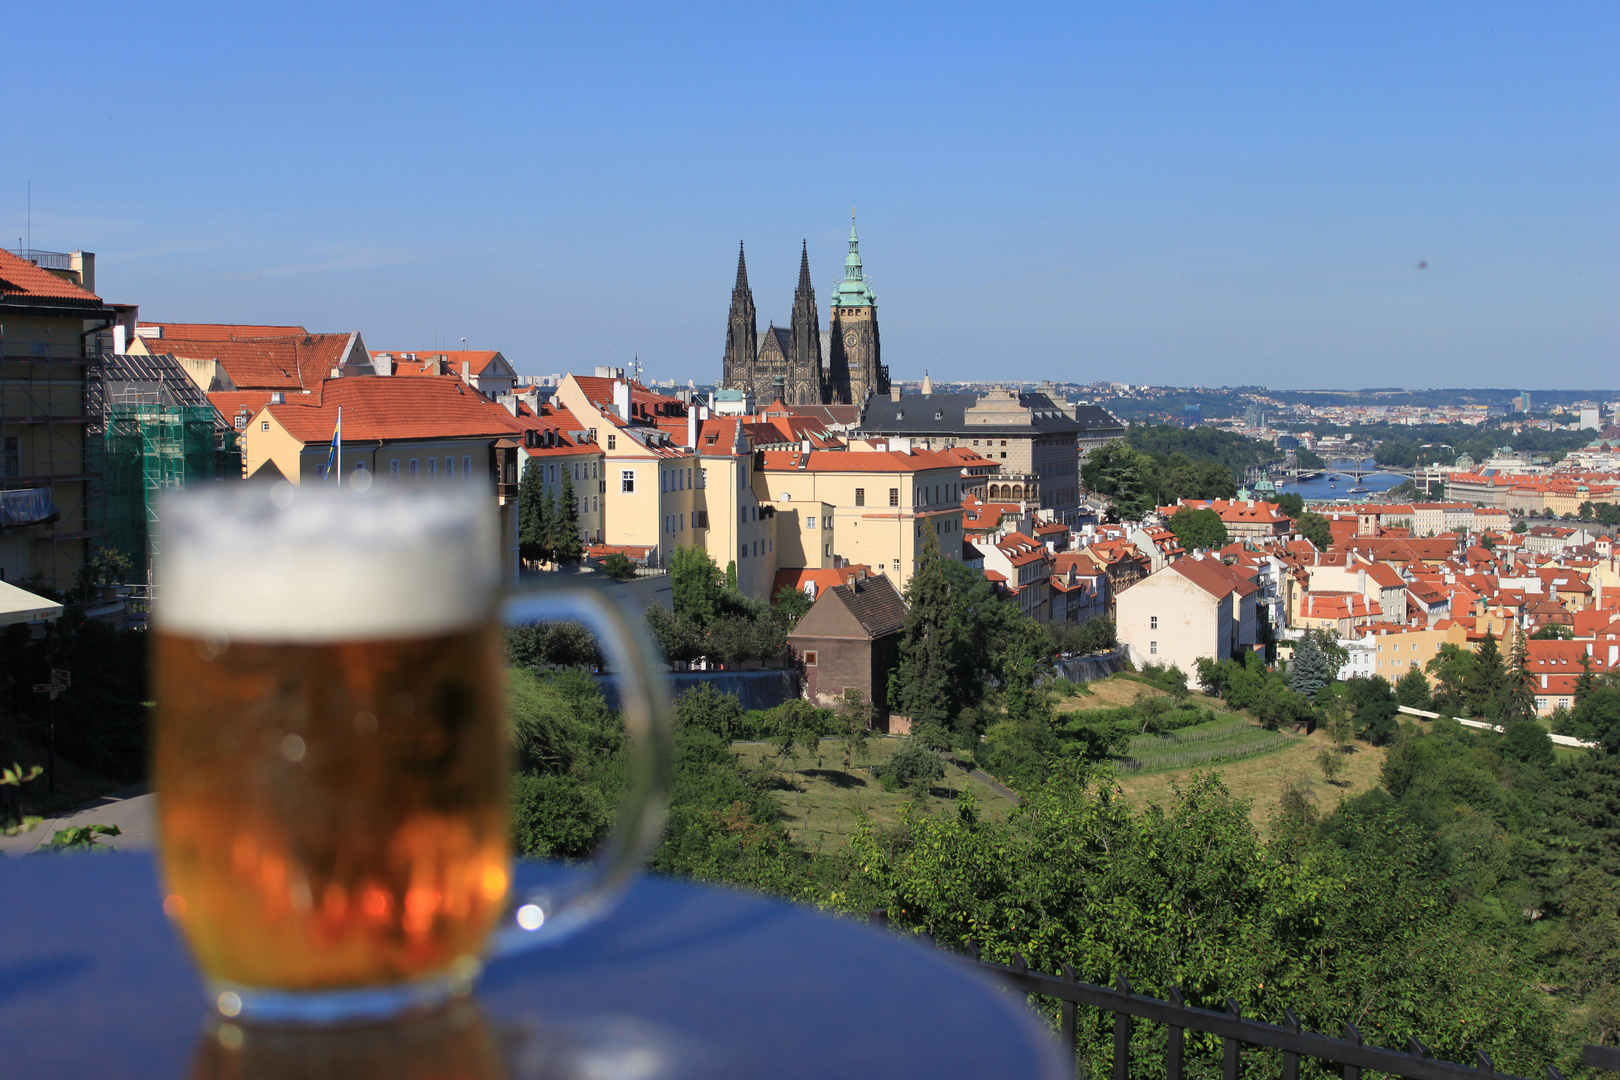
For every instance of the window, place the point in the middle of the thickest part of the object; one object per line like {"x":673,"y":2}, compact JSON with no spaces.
{"x":1563,"y":703}
{"x":264,"y":425}
{"x":627,"y":480}
{"x":433,"y":467}
{"x":1153,"y":622}
{"x":809,"y":522}
{"x":810,"y":658}
{"x":702,"y":479}
{"x":596,"y":503}
{"x":393,"y":468}
{"x":1004,"y":453}
{"x":554,"y":472}
{"x":613,"y":442}
{"x":576,"y":470}
{"x":241,"y":422}
{"x":897,"y":566}
{"x":359,"y":467}
{"x":663,"y":480}
{"x":416,"y":468}
{"x":1153,"y":648}
{"x":894,"y":496}
{"x":860,"y":496}
{"x":466,"y":466}
{"x":682,"y":522}
{"x":593,"y":470}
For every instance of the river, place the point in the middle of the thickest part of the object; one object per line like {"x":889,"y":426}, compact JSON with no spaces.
{"x":1325,"y":489}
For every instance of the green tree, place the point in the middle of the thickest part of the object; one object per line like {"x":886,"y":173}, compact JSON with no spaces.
{"x":1330,"y":759}
{"x":915,"y":765}
{"x":1482,"y":692}
{"x":791,"y":605}
{"x":1291,"y":503}
{"x":854,"y":725}
{"x":534,"y":505}
{"x":695,"y":587}
{"x":1412,"y":689}
{"x":1198,"y":528}
{"x":1315,"y":528}
{"x":1528,"y":741}
{"x":618,"y":567}
{"x":921,"y":687}
{"x":1096,"y":634}
{"x":702,"y":706}
{"x":1453,"y":671}
{"x":1516,"y":701}
{"x":1124,"y":477}
{"x":1308,"y":671}
{"x":565,"y":542}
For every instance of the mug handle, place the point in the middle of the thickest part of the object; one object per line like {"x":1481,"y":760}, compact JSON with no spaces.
{"x":546,"y":915}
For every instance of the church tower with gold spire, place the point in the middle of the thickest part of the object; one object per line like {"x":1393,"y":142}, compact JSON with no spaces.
{"x":855,"y":369}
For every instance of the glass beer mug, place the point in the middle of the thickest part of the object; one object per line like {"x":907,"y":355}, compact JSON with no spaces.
{"x":332,"y":752}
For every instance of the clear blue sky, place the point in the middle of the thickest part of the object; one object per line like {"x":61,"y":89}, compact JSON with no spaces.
{"x":1182,"y":193}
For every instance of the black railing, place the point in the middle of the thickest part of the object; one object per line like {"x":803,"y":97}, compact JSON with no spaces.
{"x":1233,"y":1029}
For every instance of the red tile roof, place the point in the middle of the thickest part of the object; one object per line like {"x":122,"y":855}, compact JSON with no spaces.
{"x":878,"y":461}
{"x":394,"y":409}
{"x":267,"y":363}
{"x":427,"y":363}
{"x":19,"y":277}
{"x":1214,"y":577}
{"x":218,"y":332}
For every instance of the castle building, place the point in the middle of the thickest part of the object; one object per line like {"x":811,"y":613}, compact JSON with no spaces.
{"x":801,"y":364}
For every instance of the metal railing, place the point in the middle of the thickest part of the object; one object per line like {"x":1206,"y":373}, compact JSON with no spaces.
{"x":45,"y":260}
{"x":1233,"y":1029}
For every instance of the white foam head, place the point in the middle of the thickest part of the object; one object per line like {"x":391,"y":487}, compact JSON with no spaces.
{"x":319,"y":564}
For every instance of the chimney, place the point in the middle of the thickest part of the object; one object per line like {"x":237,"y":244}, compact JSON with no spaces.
{"x":83,"y":263}
{"x":383,"y":363}
{"x":894,"y":393}
{"x":1361,"y":581}
{"x":804,"y":446}
{"x":466,"y":370}
{"x":621,"y":398}
{"x":691,"y":428}
{"x":120,"y":343}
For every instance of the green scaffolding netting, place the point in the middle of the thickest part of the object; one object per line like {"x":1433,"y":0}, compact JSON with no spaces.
{"x":150,"y":447}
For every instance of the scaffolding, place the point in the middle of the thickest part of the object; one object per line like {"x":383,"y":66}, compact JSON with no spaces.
{"x":150,"y":446}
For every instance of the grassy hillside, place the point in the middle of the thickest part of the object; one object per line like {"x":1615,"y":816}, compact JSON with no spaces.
{"x":822,"y":801}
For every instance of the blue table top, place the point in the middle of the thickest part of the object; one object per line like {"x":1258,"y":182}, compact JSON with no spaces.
{"x":687,"y":980}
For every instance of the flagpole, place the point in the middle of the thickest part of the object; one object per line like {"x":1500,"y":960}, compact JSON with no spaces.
{"x":340,"y":446}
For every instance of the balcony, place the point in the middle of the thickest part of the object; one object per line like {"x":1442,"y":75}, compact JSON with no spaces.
{"x":45,"y":260}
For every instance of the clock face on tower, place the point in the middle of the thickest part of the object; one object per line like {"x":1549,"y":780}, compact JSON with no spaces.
{"x":850,"y":339}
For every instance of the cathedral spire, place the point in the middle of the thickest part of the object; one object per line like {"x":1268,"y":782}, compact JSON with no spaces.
{"x":804,"y":268}
{"x":742,"y":268}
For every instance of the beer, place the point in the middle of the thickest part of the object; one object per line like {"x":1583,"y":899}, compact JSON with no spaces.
{"x":331,"y":755}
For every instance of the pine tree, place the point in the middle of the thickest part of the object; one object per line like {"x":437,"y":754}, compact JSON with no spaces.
{"x":565,"y":526}
{"x":545,"y":527}
{"x":919,"y":688}
{"x":1517,"y":698}
{"x":1487,"y":679}
{"x":532,"y":538}
{"x":1309,"y":670}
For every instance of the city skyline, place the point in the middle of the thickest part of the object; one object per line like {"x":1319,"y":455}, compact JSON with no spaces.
{"x":1169,"y":196}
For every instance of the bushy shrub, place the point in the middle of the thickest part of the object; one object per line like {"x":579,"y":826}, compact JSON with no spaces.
{"x":914,"y":765}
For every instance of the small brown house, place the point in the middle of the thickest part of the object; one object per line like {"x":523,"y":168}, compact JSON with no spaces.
{"x":851,"y":638}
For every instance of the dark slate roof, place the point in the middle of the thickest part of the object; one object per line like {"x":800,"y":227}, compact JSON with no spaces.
{"x":1096,"y":418}
{"x":875,"y":602}
{"x":944,"y":414}
{"x":117,"y":377}
{"x":784,"y":339}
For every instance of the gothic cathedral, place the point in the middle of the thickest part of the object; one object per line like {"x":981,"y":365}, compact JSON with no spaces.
{"x":801,"y":365}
